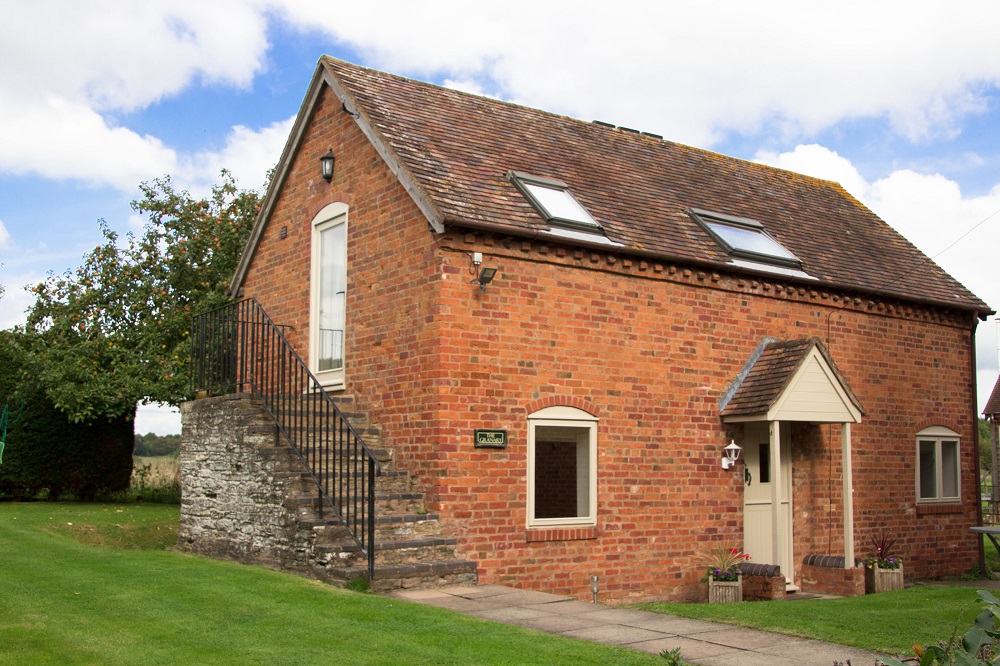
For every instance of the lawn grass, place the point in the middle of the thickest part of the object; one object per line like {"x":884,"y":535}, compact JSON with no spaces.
{"x":90,"y":584}
{"x":889,"y":622}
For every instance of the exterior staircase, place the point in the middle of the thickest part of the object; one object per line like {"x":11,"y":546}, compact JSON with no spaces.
{"x":292,"y":477}
{"x":411,"y":550}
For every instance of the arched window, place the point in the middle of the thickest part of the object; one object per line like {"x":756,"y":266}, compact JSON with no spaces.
{"x":562,"y":467}
{"x":328,"y":295}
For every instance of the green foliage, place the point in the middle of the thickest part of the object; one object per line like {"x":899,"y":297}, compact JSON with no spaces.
{"x":152,"y":444}
{"x":985,"y":446}
{"x":358,"y":584}
{"x":881,"y":552}
{"x":45,"y":452}
{"x":724,"y":563}
{"x":977,"y":647}
{"x":114,"y":332}
{"x":673,"y":657}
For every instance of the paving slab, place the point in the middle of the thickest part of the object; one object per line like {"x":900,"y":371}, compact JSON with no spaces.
{"x":702,"y":643}
{"x":560,"y":624}
{"x":615,"y":634}
{"x":570,"y":607}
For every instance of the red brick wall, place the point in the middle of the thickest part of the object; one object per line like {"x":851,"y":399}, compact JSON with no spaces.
{"x":832,"y":580}
{"x":763,"y":588}
{"x":650,"y":346}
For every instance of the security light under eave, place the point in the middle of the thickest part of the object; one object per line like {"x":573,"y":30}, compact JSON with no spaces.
{"x":485,"y":277}
{"x":327,"y":163}
{"x":732,"y":455}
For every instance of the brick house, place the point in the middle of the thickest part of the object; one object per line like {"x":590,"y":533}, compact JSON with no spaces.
{"x":650,"y":304}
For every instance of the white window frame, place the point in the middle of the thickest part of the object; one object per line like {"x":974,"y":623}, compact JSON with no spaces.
{"x":768,"y":249}
{"x":939,"y":436}
{"x":563,"y":416}
{"x":554,"y":202}
{"x":330,"y":216}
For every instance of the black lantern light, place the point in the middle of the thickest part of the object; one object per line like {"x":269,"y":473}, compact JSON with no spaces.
{"x":327,"y":162}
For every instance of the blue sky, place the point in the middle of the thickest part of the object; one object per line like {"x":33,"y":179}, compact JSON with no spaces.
{"x":898,"y":101}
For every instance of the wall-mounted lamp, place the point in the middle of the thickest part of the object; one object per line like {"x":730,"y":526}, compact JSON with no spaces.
{"x":732,"y":454}
{"x":594,"y":588}
{"x":327,"y":163}
{"x":485,"y":276}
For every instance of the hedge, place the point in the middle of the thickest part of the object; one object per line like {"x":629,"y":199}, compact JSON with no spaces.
{"x":45,"y":453}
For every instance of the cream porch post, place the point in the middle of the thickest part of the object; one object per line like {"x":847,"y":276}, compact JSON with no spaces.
{"x":774,"y":428}
{"x":845,"y":445}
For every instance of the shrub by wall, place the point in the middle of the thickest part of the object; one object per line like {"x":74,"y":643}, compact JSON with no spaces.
{"x":45,"y":452}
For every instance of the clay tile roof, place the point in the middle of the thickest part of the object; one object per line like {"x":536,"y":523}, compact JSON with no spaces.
{"x":993,"y":404}
{"x":772,"y":372}
{"x":459,"y":147}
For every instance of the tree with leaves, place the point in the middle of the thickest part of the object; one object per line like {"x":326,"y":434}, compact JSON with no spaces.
{"x":115,"y":332}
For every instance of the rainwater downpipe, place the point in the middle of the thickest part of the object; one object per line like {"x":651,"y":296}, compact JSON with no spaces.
{"x":975,"y":442}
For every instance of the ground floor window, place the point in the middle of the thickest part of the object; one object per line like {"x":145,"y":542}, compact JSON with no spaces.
{"x":938,"y":465}
{"x":562,"y":467}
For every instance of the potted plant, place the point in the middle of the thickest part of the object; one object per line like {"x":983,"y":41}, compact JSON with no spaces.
{"x":725,"y":581}
{"x":883,"y":570}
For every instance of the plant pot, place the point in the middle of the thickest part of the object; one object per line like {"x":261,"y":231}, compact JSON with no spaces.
{"x":725,"y":591}
{"x":882,"y":580}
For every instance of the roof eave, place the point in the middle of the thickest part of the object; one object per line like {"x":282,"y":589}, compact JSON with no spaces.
{"x":981,"y":311}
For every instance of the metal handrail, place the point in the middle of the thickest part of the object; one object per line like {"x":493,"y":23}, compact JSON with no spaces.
{"x":238,"y":346}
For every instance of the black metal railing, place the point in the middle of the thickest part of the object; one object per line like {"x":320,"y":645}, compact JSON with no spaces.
{"x":237,"y":348}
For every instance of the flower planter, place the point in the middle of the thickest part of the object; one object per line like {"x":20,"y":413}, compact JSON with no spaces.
{"x":725,"y":591}
{"x":882,"y":580}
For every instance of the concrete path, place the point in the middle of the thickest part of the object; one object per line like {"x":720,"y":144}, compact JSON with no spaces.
{"x":703,"y":643}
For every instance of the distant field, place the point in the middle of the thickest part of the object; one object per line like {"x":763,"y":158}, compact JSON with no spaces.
{"x":160,"y":467}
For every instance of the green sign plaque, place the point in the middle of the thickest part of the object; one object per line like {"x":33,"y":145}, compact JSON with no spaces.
{"x":491,"y":439}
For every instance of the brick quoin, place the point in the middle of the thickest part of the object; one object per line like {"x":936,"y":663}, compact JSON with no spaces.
{"x":645,"y":346}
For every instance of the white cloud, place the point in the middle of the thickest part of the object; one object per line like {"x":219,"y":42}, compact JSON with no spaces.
{"x":932,"y":213}
{"x":693,"y":71}
{"x":248,"y":154}
{"x":61,"y":84}
{"x":60,"y":139}
{"x":122,"y":55}
{"x":16,"y":300}
{"x":157,"y":418}
{"x":4,"y":237}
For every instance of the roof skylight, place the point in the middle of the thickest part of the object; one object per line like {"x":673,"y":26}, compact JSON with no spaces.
{"x":742,"y":237}
{"x":553,"y":201}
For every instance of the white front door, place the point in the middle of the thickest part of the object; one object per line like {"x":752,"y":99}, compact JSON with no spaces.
{"x":758,"y":515}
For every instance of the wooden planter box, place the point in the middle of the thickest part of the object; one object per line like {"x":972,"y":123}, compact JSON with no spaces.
{"x":882,"y":580}
{"x":725,"y":591}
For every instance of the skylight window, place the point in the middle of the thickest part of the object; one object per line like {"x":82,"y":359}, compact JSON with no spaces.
{"x":745,"y":238}
{"x":553,"y":201}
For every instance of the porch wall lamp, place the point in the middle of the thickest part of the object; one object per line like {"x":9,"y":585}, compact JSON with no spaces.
{"x":732,"y":454}
{"x":327,"y":165}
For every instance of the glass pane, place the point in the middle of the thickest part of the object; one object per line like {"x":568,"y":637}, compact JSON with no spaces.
{"x":765,"y":463}
{"x":750,"y":240}
{"x":949,"y":469}
{"x":560,"y":204}
{"x":332,"y":298}
{"x":928,"y":470}
{"x":562,"y":472}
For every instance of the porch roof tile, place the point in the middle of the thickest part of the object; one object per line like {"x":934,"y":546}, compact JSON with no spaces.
{"x":771,"y":374}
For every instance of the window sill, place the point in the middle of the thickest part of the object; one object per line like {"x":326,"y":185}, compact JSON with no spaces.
{"x":561,"y":534}
{"x":935,"y":509}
